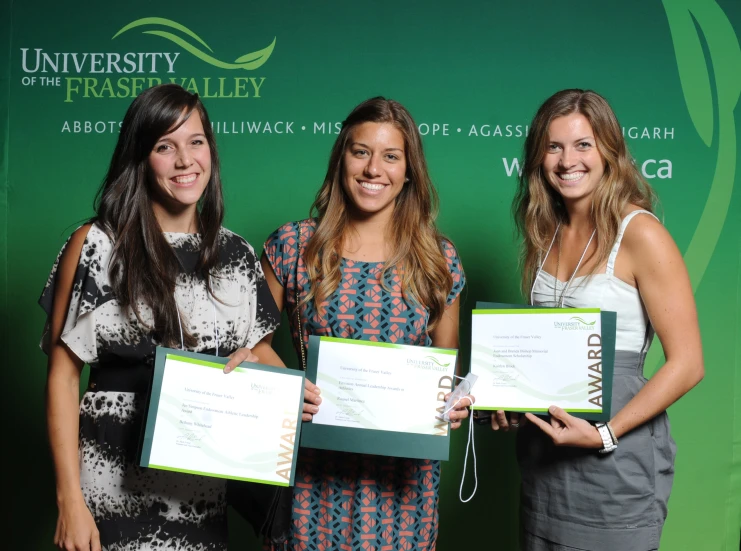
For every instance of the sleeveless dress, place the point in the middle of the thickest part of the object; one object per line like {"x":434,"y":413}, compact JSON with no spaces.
{"x":574,"y":498}
{"x":346,"y":501}
{"x":137,"y":508}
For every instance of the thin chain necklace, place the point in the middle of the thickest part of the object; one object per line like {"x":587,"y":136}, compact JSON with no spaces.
{"x":559,"y":300}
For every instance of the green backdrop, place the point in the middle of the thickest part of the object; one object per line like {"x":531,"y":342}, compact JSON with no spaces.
{"x":472,"y":74}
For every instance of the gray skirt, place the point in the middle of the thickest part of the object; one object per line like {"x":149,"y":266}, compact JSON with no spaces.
{"x":583,"y":499}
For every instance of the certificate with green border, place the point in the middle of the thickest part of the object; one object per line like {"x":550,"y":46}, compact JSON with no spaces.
{"x":380,"y":398}
{"x":244,"y":425}
{"x":528,"y":358}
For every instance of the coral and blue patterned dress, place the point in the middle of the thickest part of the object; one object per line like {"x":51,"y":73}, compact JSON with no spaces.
{"x":346,"y":501}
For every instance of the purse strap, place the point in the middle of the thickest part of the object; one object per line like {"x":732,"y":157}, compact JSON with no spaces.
{"x":298,"y":309}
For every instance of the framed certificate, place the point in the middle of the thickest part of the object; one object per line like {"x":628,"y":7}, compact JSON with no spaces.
{"x":529,"y":358}
{"x":380,"y":398}
{"x":244,"y":425}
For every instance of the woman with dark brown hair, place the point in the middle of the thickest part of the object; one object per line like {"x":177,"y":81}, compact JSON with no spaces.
{"x":370,"y":265}
{"x":153,"y":267}
{"x":590,"y":239}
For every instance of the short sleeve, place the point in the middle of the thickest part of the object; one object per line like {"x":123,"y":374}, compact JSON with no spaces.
{"x":456,"y":270}
{"x":282,"y":252}
{"x":90,"y":290}
{"x":266,"y":315}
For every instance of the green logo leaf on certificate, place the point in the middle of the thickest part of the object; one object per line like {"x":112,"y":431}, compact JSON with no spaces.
{"x":577,"y":318}
{"x":433,"y":359}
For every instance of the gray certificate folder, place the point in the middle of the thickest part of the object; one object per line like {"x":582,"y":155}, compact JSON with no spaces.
{"x":361,"y":440}
{"x":609,"y":332}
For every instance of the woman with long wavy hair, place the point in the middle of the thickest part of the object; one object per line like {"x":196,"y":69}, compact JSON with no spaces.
{"x":590,"y":239}
{"x":153,"y":267}
{"x":370,"y":265}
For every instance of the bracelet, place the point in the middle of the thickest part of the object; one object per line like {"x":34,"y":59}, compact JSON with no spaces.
{"x":608,"y":444}
{"x":612,"y":433}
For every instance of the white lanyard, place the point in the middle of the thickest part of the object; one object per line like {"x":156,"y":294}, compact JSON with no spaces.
{"x":559,"y":303}
{"x":470,"y":443}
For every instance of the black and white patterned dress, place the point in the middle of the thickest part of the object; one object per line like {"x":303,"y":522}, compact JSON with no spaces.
{"x":137,"y":508}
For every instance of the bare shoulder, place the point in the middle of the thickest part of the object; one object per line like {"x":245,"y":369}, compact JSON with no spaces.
{"x":79,"y":235}
{"x":649,"y":244}
{"x":65,"y":275}
{"x":643,"y":230}
{"x":73,"y":249}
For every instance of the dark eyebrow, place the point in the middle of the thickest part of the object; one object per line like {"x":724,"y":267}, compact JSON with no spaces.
{"x":166,"y":137}
{"x":368,"y":147}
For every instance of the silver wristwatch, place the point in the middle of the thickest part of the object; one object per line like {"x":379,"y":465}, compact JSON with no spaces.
{"x":608,"y":442}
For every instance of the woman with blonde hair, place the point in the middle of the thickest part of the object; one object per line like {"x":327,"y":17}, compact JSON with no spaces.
{"x":590,"y":239}
{"x":370,"y":265}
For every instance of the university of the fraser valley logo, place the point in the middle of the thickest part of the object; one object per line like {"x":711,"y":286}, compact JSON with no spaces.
{"x":96,"y":75}
{"x":428,"y":362}
{"x":575,"y":323}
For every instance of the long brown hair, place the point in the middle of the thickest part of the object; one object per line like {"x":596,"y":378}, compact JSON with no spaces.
{"x":143,"y":267}
{"x":538,"y":208}
{"x":417,"y":244}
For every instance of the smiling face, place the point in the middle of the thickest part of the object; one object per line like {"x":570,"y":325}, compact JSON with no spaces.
{"x":180,"y":164}
{"x":573,"y":165}
{"x":374,"y":168}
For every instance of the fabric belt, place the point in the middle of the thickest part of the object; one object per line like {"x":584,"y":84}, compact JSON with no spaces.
{"x":120,"y":377}
{"x":117,"y":374}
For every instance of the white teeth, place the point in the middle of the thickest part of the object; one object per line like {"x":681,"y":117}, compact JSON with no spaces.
{"x":571,"y":176}
{"x":372,"y":187}
{"x":185,"y":179}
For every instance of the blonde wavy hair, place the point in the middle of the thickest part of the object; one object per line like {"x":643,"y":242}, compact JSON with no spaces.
{"x":538,"y":208}
{"x":416,"y":253}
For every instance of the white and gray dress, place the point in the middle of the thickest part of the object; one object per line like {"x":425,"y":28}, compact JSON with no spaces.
{"x":137,"y":508}
{"x":574,"y":498}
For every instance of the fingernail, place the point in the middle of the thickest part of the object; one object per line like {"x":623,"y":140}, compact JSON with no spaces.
{"x":552,"y":409}
{"x":318,"y":400}
{"x":314,"y":409}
